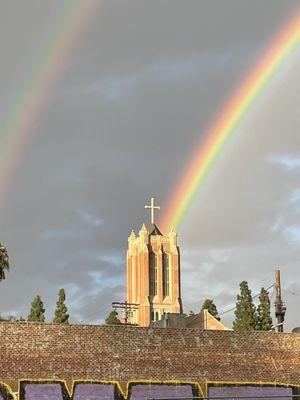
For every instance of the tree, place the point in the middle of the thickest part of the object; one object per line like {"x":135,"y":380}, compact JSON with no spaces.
{"x":245,"y":313}
{"x":210,"y":306}
{"x":37,"y":311}
{"x":4,"y":262}
{"x":112,"y":319}
{"x":61,"y":315}
{"x":264,"y":320}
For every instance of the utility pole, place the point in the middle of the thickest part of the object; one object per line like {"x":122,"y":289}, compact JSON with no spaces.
{"x":129,"y":309}
{"x":280,"y":309}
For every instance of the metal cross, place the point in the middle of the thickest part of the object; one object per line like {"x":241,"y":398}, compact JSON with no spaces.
{"x":152,"y":208}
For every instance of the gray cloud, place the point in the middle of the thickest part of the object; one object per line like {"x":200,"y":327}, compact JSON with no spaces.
{"x":143,"y":85}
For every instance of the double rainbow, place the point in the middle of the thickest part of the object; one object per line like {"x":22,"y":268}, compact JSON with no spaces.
{"x":19,"y":123}
{"x":219,"y":134}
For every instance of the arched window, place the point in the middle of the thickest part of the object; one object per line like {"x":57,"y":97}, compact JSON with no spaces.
{"x":153,"y":274}
{"x":166,"y":274}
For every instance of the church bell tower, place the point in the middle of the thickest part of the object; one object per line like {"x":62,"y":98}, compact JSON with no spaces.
{"x":153,"y":272}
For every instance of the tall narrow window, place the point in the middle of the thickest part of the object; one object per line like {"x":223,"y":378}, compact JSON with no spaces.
{"x":152,"y":315}
{"x":166,"y":274}
{"x":153,"y":274}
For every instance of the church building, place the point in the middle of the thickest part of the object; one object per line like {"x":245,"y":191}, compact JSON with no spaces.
{"x":153,"y":273}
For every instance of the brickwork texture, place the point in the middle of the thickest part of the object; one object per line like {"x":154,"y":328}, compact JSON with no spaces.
{"x":30,"y":351}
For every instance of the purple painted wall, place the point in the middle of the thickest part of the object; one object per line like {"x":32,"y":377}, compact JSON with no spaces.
{"x":95,"y":391}
{"x":98,"y":391}
{"x":42,"y":391}
{"x":82,"y":391}
{"x":147,"y":391}
{"x":236,"y":391}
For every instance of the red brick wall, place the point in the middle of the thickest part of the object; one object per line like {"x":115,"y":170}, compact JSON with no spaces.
{"x":49,"y":351}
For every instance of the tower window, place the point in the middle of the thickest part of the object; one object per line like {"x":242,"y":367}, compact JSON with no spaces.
{"x":166,"y":274}
{"x":152,"y":315}
{"x":153,"y":274}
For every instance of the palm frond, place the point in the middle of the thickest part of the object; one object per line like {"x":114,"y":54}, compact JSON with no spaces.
{"x":4,"y":261}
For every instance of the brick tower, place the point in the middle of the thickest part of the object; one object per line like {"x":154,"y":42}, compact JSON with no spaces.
{"x":153,"y":273}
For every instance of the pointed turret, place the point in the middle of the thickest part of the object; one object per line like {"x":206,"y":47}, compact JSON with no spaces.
{"x":143,"y":229}
{"x":173,"y":237}
{"x":132,"y":235}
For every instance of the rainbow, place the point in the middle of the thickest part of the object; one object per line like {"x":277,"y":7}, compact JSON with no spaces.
{"x":226,"y":124}
{"x":19,"y":124}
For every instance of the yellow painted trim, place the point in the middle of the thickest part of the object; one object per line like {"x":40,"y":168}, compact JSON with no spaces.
{"x":111,"y":382}
{"x":147,"y":381}
{"x":8,"y":388}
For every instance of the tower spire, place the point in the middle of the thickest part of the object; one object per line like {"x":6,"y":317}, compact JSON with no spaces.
{"x":152,"y":208}
{"x":153,"y":273}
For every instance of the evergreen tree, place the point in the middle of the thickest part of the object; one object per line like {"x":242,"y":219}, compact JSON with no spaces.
{"x":37,"y":311}
{"x":245,"y":313}
{"x":112,"y":319}
{"x":4,"y":262}
{"x":61,"y":315}
{"x":210,"y":306}
{"x":264,"y":321}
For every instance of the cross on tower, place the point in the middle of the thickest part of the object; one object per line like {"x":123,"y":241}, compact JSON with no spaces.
{"x":152,"y":208}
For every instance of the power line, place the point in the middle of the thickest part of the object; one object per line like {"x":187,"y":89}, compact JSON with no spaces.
{"x":90,"y":317}
{"x":293,"y":293}
{"x":129,"y":310}
{"x":234,"y":308}
{"x":265,"y":289}
{"x":264,"y":279}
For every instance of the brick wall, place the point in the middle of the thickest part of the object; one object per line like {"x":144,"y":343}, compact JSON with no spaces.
{"x":77,"y":352}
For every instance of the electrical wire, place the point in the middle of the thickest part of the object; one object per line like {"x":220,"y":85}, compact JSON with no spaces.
{"x":271,"y":297}
{"x":264,"y":279}
{"x":288,"y":291}
{"x":90,"y":317}
{"x":234,"y":308}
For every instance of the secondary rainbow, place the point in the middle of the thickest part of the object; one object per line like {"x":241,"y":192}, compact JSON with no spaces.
{"x":19,"y":123}
{"x":225,"y":126}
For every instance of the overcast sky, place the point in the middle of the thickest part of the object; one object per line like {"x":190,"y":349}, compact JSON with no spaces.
{"x":144,"y":81}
